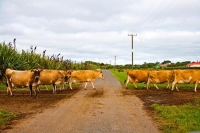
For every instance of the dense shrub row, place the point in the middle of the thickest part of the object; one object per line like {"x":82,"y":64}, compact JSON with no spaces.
{"x":26,"y":60}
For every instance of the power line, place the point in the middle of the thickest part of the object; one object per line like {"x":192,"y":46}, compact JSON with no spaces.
{"x":162,"y":12}
{"x":145,"y":14}
{"x":159,"y":14}
{"x":153,"y":13}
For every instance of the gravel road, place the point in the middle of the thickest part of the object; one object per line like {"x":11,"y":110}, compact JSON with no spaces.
{"x":101,"y":110}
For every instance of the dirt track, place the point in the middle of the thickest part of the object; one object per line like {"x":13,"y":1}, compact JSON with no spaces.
{"x":106,"y":109}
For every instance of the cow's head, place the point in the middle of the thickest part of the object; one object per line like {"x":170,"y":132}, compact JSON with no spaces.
{"x":101,"y":75}
{"x":68,"y":74}
{"x":36,"y":74}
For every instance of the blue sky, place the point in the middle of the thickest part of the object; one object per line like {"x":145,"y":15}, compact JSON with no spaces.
{"x":98,"y":30}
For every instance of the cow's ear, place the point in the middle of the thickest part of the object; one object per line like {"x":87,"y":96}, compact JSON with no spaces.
{"x":69,"y":71}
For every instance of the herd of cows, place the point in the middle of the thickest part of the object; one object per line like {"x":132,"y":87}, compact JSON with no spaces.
{"x":36,"y":77}
{"x":172,"y":77}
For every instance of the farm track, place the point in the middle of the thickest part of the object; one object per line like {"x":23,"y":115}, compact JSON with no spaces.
{"x":109,"y":108}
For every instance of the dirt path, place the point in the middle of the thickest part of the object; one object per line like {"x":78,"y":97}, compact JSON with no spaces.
{"x":105,"y":109}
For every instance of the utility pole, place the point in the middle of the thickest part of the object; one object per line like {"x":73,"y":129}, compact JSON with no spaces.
{"x":132,"y":46}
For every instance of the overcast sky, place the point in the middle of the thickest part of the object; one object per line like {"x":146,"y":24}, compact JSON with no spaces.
{"x":97,"y":30}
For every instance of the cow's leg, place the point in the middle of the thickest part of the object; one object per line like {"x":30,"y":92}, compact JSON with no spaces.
{"x":135,"y":85}
{"x":177,"y":87}
{"x":54,"y":88}
{"x":126,"y":84}
{"x":156,"y":86}
{"x":9,"y":87}
{"x":85,"y":85}
{"x":62,"y":86}
{"x":36,"y":90}
{"x":46,"y":87}
{"x":195,"y":88}
{"x":173,"y":84}
{"x":30,"y":86}
{"x":70,"y":85}
{"x":168,"y":85}
{"x":147,"y":84}
{"x":92,"y":85}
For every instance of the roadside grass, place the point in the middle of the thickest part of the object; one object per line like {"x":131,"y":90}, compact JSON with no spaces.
{"x":173,"y":119}
{"x":6,"y":117}
{"x":178,"y":119}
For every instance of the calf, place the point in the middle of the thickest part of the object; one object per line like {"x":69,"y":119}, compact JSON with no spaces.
{"x":21,"y":79}
{"x":85,"y":76}
{"x":54,"y":77}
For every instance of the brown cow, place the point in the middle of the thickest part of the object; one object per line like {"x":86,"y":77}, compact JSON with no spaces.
{"x":21,"y":79}
{"x":186,"y":76}
{"x":136,"y":76}
{"x":54,"y":77}
{"x":161,"y":76}
{"x":85,"y":76}
{"x":66,"y":74}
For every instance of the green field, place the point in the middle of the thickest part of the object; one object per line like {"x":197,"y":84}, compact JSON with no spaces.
{"x":173,"y":119}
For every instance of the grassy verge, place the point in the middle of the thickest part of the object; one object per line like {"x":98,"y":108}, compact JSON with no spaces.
{"x":173,"y":119}
{"x":6,"y":117}
{"x":178,"y":119}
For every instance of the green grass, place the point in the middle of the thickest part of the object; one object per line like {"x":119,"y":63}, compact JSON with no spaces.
{"x":121,"y":76}
{"x":5,"y":117}
{"x":3,"y":86}
{"x":178,"y":119}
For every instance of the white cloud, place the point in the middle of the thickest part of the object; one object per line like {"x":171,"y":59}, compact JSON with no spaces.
{"x":98,"y":30}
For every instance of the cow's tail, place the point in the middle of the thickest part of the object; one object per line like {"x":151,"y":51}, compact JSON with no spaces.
{"x":125,"y":81}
